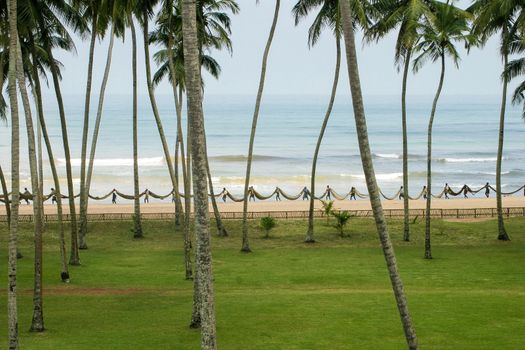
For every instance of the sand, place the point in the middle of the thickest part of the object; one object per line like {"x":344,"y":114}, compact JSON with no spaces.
{"x":271,"y":205}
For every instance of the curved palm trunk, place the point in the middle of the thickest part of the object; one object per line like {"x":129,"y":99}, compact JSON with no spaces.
{"x":502,"y":233}
{"x":41,"y":121}
{"x":40,"y":162}
{"x":136,"y":218}
{"x":203,"y":257}
{"x":98,"y":120}
{"x":428,"y":251}
{"x":368,"y":168}
{"x":406,"y":218}
{"x":37,"y":322}
{"x":187,"y":199}
{"x":12,"y":310}
{"x":221,"y":230}
{"x":245,"y":243}
{"x":6,"y":196}
{"x":151,"y":93}
{"x":83,"y":192}
{"x":310,"y":233}
{"x":74,"y":258}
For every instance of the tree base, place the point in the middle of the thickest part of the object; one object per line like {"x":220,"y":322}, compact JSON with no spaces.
{"x":64,"y":276}
{"x":310,"y":240}
{"x":83,"y":246}
{"x":503,"y":237}
{"x":195,"y":324}
{"x":74,"y":262}
{"x":246,"y":250}
{"x":428,"y":255}
{"x":37,"y":329}
{"x":19,"y":255}
{"x":222,"y":232}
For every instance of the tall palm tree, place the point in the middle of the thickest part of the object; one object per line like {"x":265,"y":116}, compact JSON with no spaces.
{"x":48,"y":19}
{"x":37,"y":323}
{"x":91,"y":10}
{"x":12,"y":312}
{"x":368,"y":168}
{"x":196,"y":120}
{"x":137,"y":221}
{"x":405,"y":14}
{"x":328,"y":16}
{"x":245,"y":242}
{"x":493,"y":17}
{"x":448,"y":25}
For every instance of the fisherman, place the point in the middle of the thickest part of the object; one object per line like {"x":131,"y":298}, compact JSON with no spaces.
{"x":466,"y":190}
{"x":352,"y":193}
{"x":53,"y":196}
{"x":401,"y":193}
{"x":251,"y":192}
{"x":306,"y":193}
{"x":114,"y":197}
{"x":26,"y":195}
{"x":424,"y":192}
{"x":328,"y":192}
{"x":224,"y":194}
{"x":146,"y":196}
{"x":446,"y":190}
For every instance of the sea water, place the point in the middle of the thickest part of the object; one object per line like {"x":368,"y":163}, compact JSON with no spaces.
{"x":465,"y":142}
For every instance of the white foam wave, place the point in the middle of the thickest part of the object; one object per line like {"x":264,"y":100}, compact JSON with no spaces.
{"x":117,"y":162}
{"x":387,"y":155}
{"x":469,"y":160}
{"x":382,"y":177}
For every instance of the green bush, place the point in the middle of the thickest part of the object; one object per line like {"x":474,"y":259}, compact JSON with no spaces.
{"x":341,"y":219}
{"x":267,"y":223}
{"x":328,"y":208}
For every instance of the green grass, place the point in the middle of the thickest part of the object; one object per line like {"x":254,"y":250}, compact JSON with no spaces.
{"x":335,"y":294}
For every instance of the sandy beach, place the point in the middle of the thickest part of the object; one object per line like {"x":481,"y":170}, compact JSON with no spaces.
{"x":265,"y":206}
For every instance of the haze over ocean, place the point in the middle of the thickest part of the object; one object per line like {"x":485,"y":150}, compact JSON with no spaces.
{"x":464,"y":152}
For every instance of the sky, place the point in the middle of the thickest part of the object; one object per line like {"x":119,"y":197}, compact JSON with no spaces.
{"x":293,"y":67}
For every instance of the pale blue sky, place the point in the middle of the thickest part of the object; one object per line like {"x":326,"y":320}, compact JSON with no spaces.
{"x":293,"y":67}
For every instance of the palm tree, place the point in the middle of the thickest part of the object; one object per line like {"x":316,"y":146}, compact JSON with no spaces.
{"x":448,"y":24}
{"x":47,"y":18}
{"x":516,"y":67}
{"x":368,"y":168}
{"x":99,"y":23}
{"x":405,"y":14}
{"x":328,"y":16}
{"x":12,"y":312}
{"x":245,"y":243}
{"x":37,"y":323}
{"x":492,"y":17}
{"x":196,"y":120}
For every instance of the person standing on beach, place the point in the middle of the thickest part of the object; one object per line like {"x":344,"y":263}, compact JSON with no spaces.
{"x":224,"y":194}
{"x":401,"y":196}
{"x":252,"y":194}
{"x":53,"y":196}
{"x":328,"y":193}
{"x":306,"y":193}
{"x":447,"y":190}
{"x":487,"y":190}
{"x":26,"y":195}
{"x":466,"y":190}
{"x":114,"y":197}
{"x":352,"y":193}
{"x":146,"y":196}
{"x":424,"y":192}
{"x":278,"y":196}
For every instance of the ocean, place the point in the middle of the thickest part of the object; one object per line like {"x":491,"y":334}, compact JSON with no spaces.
{"x":464,"y":143}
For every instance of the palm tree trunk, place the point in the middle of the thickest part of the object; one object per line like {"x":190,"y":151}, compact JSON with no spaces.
{"x":245,"y":243}
{"x":178,"y":140}
{"x":368,"y":168}
{"x":40,"y":110}
{"x":74,"y":258}
{"x":37,"y":322}
{"x":310,"y":233}
{"x":198,"y":145}
{"x":99,"y":114}
{"x":221,"y":230}
{"x":12,"y":310}
{"x":502,"y":233}
{"x":136,"y":219}
{"x":156,"y":114}
{"x":406,"y":218}
{"x":428,"y":251}
{"x":40,"y":163}
{"x":6,"y":196}
{"x":187,"y":200}
{"x":83,"y":193}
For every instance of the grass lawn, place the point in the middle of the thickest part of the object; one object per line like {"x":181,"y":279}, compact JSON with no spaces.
{"x":335,"y":294}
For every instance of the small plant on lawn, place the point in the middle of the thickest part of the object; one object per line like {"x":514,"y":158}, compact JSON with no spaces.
{"x":341,"y":219}
{"x":328,"y":208}
{"x":267,"y":223}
